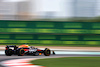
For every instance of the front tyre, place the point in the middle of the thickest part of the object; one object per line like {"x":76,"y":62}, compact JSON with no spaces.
{"x":21,"y":52}
{"x":47,"y":52}
{"x":8,"y":52}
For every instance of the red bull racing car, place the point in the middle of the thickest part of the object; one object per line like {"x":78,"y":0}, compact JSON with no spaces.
{"x":26,"y":50}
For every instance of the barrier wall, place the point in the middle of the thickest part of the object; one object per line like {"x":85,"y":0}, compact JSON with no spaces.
{"x":49,"y":32}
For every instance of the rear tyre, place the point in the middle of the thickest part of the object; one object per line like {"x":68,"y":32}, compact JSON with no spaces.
{"x":8,"y":52}
{"x":47,"y":52}
{"x":21,"y":52}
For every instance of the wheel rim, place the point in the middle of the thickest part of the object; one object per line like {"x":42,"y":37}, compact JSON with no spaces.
{"x":48,"y":52}
{"x":22,"y":52}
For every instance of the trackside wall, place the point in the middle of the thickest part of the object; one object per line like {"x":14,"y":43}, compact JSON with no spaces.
{"x":50,"y":32}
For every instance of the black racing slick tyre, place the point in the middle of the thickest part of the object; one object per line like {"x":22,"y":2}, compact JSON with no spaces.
{"x":21,"y":52}
{"x":8,"y":52}
{"x":47,"y":52}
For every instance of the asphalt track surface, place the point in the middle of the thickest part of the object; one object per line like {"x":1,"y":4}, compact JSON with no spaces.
{"x":3,"y":57}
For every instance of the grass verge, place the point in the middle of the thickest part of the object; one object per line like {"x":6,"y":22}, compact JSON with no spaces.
{"x":69,"y":62}
{"x":57,"y":45}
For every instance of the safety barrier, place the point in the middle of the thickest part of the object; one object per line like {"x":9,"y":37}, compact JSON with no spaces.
{"x":50,"y":32}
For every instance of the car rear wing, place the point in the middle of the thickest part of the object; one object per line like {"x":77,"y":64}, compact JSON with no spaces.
{"x":12,"y":46}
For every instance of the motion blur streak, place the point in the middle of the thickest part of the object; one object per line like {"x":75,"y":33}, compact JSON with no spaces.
{"x":20,"y":63}
{"x":48,"y":9}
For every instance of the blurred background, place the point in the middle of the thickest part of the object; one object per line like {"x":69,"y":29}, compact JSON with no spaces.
{"x":48,"y":9}
{"x":52,"y":23}
{"x":66,"y":22}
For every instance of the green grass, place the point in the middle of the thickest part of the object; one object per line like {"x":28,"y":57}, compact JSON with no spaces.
{"x":55,"y":45}
{"x":69,"y":62}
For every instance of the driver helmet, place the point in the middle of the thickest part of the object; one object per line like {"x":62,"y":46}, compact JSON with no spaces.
{"x":32,"y":47}
{"x":24,"y":46}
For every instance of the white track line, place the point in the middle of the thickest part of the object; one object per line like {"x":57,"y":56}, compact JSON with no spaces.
{"x":2,"y":52}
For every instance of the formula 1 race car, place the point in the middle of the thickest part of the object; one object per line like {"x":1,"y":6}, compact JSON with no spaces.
{"x":25,"y":49}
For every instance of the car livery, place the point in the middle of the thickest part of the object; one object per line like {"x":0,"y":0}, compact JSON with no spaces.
{"x":25,"y":50}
